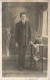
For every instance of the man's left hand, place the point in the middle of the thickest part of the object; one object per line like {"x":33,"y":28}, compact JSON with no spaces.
{"x":30,"y":43}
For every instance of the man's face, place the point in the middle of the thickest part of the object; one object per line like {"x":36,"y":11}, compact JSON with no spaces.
{"x":23,"y":17}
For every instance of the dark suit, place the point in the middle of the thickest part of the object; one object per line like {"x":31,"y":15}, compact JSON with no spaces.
{"x":23,"y":36}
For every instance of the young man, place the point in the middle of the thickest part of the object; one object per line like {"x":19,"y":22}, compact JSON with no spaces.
{"x":22,"y":38}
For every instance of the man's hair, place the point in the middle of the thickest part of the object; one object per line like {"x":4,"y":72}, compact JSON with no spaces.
{"x":22,"y":13}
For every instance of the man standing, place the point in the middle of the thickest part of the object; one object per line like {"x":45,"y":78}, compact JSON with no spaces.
{"x":22,"y":38}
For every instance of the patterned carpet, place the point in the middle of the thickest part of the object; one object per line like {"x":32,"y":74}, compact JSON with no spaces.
{"x":9,"y":68}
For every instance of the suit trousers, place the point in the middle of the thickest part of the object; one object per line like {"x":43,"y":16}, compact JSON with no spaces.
{"x":21,"y":55}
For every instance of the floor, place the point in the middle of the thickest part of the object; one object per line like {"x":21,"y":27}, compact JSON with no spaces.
{"x":9,"y":68}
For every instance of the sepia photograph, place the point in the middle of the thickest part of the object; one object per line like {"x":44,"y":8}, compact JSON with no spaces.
{"x":24,"y":39}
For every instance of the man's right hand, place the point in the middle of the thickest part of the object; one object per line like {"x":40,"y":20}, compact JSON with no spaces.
{"x":17,"y":45}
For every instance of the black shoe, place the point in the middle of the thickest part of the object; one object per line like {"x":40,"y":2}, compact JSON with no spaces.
{"x":20,"y":68}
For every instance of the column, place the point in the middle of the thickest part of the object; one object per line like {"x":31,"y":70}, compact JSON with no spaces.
{"x":8,"y":29}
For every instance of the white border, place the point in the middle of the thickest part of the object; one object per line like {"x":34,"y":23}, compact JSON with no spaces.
{"x":24,"y":78}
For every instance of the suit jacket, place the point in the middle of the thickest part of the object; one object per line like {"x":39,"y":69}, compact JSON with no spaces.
{"x":22,"y":33}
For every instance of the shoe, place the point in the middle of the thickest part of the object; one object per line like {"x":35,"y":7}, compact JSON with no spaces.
{"x":20,"y":68}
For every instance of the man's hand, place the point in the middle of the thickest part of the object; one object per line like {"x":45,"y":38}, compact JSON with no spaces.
{"x":30,"y":43}
{"x":17,"y":45}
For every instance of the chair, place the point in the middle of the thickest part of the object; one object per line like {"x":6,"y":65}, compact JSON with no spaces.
{"x":42,"y":57}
